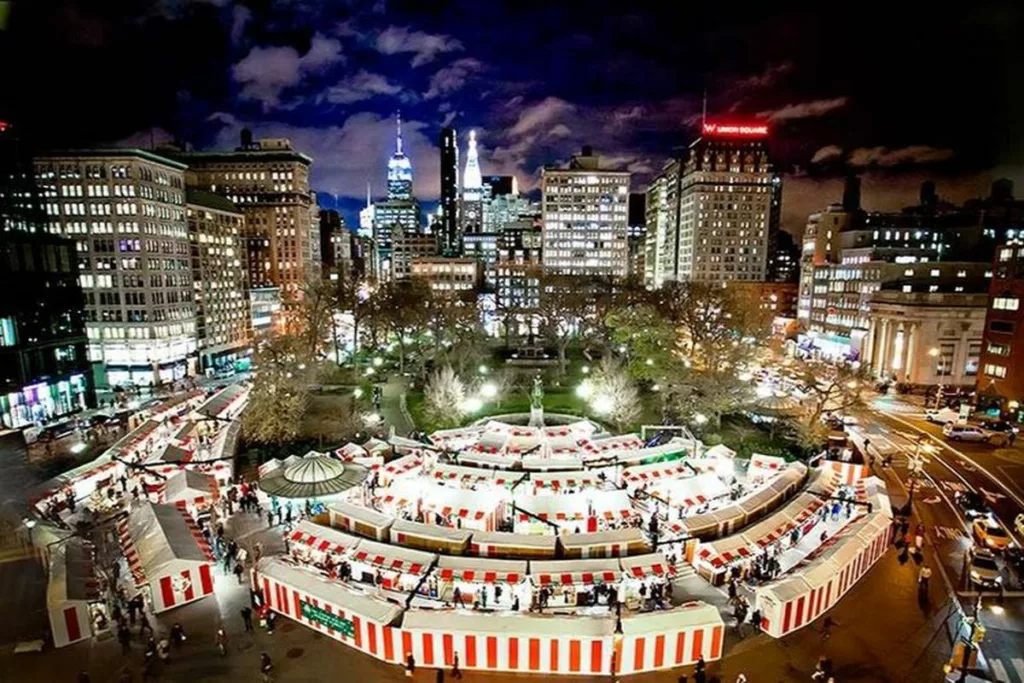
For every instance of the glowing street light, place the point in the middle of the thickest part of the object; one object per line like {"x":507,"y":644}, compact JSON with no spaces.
{"x":585,"y":369}
{"x":78,"y":448}
{"x":584,"y":390}
{"x":370,"y":371}
{"x":483,"y":369}
{"x":488,"y":390}
{"x":700,"y":418}
{"x":472,"y":405}
{"x":649,"y":361}
{"x":603,"y":404}
{"x":378,"y":361}
{"x":358,"y":393}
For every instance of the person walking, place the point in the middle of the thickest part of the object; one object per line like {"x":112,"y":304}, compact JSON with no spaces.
{"x":124,"y":636}
{"x":410,"y":665}
{"x":826,"y":627}
{"x":456,"y":673}
{"x":266,"y":667}
{"x":247,"y":618}
{"x":238,"y":572}
{"x":144,"y":625}
{"x":177,"y":635}
{"x":271,"y":618}
{"x":221,"y":641}
{"x":923,"y":577}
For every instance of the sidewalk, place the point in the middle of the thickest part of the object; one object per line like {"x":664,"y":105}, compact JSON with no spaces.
{"x":392,"y":406}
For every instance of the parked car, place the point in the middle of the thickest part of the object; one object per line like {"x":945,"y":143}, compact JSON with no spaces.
{"x":989,"y":533}
{"x":942,"y":415}
{"x":1001,"y":426}
{"x":961,"y":431}
{"x":971,"y":502}
{"x":983,"y":568}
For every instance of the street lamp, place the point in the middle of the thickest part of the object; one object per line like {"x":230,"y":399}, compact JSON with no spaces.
{"x":472,"y":404}
{"x":603,"y":404}
{"x":488,"y":390}
{"x":584,"y":390}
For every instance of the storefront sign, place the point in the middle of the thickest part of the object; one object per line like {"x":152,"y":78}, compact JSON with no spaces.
{"x":740,"y":130}
{"x":325,"y":618}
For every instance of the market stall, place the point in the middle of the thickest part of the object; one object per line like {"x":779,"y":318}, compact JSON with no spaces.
{"x":671,"y":638}
{"x":403,"y":467}
{"x":675,"y":449}
{"x":691,"y":493}
{"x":501,"y":580}
{"x":319,"y":546}
{"x":191,"y":491}
{"x":849,"y":473}
{"x":430,"y":537}
{"x":613,"y":445}
{"x":360,"y":520}
{"x":358,"y":620}
{"x":459,"y":508}
{"x":456,"y":439}
{"x":613,"y":543}
{"x":473,"y":477}
{"x":639,"y":475}
{"x":763,"y":467}
{"x":166,"y":552}
{"x":568,"y":482}
{"x":509,"y":641}
{"x":504,"y":544}
{"x":571,"y":583}
{"x":390,"y":567}
{"x":532,"y":511}
{"x":73,"y":600}
{"x":549,"y":463}
{"x":610,"y":506}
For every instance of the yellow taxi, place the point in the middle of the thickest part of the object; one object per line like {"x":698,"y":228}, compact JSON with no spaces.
{"x":989,"y":533}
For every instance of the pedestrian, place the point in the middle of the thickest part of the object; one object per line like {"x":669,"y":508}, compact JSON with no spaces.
{"x":163,"y":649}
{"x":144,"y":625}
{"x":826,"y":627}
{"x":922,"y":579}
{"x":410,"y":665}
{"x":918,"y":539}
{"x":455,"y":666}
{"x":439,"y":675}
{"x":270,"y":519}
{"x":741,"y":679}
{"x":177,"y":635}
{"x":266,"y":666}
{"x":221,"y":641}
{"x":247,"y":618}
{"x":755,"y":620}
{"x":271,"y":617}
{"x":83,"y":677}
{"x":124,"y":636}
{"x":238,"y":572}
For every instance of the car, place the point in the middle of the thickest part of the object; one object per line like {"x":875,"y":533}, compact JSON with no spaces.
{"x":1001,"y":426}
{"x":989,"y":533}
{"x":961,"y":431}
{"x":942,"y":415}
{"x":971,"y":502}
{"x":1015,"y":559}
{"x":983,"y":568}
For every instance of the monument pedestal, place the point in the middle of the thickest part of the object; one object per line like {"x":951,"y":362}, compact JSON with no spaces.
{"x":536,"y":417}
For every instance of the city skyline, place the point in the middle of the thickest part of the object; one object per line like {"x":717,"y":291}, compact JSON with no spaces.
{"x":331,"y":77}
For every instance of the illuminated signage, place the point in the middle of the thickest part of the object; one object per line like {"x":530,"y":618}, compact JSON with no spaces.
{"x":325,"y":618}
{"x":737,"y":129}
{"x":4,"y":126}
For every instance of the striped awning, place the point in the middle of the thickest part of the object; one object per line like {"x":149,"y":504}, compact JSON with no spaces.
{"x":474,"y":575}
{"x":578,"y":578}
{"x":390,"y":563}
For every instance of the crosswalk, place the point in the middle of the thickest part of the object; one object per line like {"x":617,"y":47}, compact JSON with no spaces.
{"x":1007,"y":670}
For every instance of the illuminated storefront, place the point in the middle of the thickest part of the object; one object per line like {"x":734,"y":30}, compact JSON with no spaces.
{"x":43,"y":401}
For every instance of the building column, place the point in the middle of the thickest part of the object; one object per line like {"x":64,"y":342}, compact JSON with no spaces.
{"x":906,"y":351}
{"x":912,"y":337}
{"x":882,"y":355}
{"x":867,"y":356}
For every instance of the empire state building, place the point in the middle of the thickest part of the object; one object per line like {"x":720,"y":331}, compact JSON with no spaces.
{"x":400,"y":211}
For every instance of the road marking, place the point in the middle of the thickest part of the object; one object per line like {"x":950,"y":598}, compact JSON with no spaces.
{"x":1018,"y":666}
{"x":932,"y":501}
{"x":948,"y":532}
{"x":954,"y":486}
{"x":999,"y":671}
{"x":990,"y":496}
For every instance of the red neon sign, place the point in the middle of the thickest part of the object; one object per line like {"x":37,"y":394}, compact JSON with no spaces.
{"x":744,"y":130}
{"x":4,"y":126}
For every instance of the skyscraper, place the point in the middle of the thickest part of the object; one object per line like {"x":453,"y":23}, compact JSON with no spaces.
{"x":472,"y":190}
{"x":585,"y":226}
{"x":449,"y":237}
{"x":367,"y":215}
{"x":400,"y":211}
{"x":715,"y":208}
{"x":399,"y":169}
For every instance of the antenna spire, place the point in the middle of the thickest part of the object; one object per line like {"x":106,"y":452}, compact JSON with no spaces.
{"x":704,"y":110}
{"x":398,"y":140}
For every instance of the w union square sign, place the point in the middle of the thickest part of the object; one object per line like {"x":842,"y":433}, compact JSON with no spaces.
{"x":325,"y":618}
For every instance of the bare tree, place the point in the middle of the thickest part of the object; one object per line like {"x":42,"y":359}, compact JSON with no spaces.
{"x":445,"y":395}
{"x":615,"y":395}
{"x":280,"y":391}
{"x":565,"y":314}
{"x":832,"y":389}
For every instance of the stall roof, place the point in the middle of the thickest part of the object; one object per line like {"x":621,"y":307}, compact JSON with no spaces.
{"x":759,"y":499}
{"x":323,"y":538}
{"x":431,"y":531}
{"x":511,"y":623}
{"x":726,"y":550}
{"x":487,"y":459}
{"x":651,"y":564}
{"x":156,"y":535}
{"x":612,"y":444}
{"x":611,"y":504}
{"x":692,"y":491}
{"x":675,"y":447}
{"x":71,"y":573}
{"x":393,"y":557}
{"x":676,"y":619}
{"x":510,"y":540}
{"x":475,"y":474}
{"x":543,"y":463}
{"x":446,"y":500}
{"x":481,"y":569}
{"x":406,"y":463}
{"x":561,"y":480}
{"x":553,"y":506}
{"x":219,"y":402}
{"x":188,"y":485}
{"x":656,"y":471}
{"x":568,"y":572}
{"x":362,"y":515}
{"x":172,"y":454}
{"x":785,"y":590}
{"x":314,"y":584}
{"x":695,"y":525}
{"x":621,"y":536}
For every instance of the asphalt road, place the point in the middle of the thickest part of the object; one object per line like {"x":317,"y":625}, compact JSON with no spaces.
{"x":895,"y":428}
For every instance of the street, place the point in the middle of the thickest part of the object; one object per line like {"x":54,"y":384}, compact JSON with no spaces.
{"x":896,"y":428}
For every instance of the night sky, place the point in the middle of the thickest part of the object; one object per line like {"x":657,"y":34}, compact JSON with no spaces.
{"x":896,"y":95}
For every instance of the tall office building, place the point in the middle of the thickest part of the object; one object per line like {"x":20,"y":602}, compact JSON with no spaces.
{"x":585,"y":219}
{"x":449,"y":235}
{"x":407,"y":246}
{"x":367,"y":215}
{"x":269,"y":181}
{"x":126,"y":210}
{"x":472,"y":208}
{"x":220,"y":278}
{"x":715,"y":208}
{"x":400,"y":211}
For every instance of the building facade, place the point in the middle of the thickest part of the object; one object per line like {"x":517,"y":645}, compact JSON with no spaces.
{"x":472,"y":206}
{"x":125,"y":209}
{"x":443,"y":274}
{"x":221,"y":279}
{"x":1001,"y":374}
{"x":407,"y":246}
{"x":269,"y":181}
{"x":585,"y":218}
{"x":449,"y":233}
{"x":712,"y":213}
{"x":519,"y":272}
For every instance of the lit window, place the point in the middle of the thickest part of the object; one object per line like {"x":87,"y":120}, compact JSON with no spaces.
{"x":1006,"y":303}
{"x":907,"y":289}
{"x":993,"y":370}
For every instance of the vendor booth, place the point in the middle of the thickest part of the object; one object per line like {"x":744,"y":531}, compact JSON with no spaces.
{"x":504,"y":544}
{"x":613,"y":543}
{"x":360,"y":520}
{"x":671,"y":638}
{"x":390,"y":567}
{"x":533,"y":511}
{"x":474,"y":575}
{"x":403,"y":467}
{"x":611,"y":446}
{"x":355,"y":619}
{"x":474,"y":477}
{"x":639,"y":475}
{"x":567,"y":482}
{"x":166,"y":552}
{"x":570,"y":583}
{"x":459,"y":508}
{"x":320,"y":547}
{"x":691,"y":493}
{"x":191,"y":491}
{"x":430,"y":537}
{"x":73,"y":600}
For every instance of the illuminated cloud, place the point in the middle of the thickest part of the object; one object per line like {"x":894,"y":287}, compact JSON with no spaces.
{"x":266,"y":72}
{"x":543,"y":113}
{"x":452,"y":77}
{"x":827,"y":153}
{"x":424,"y":47}
{"x":914,"y":154}
{"x":805,"y":110}
{"x":361,"y":86}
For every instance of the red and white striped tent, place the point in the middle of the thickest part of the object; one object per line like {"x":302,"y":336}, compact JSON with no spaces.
{"x":350,"y":451}
{"x":551,"y":507}
{"x":646,"y":566}
{"x":166,"y":551}
{"x":360,"y":520}
{"x":190,"y":490}
{"x":480,"y":570}
{"x":671,"y":638}
{"x":762,"y":466}
{"x":456,"y":439}
{"x":611,"y":543}
{"x":726,"y":550}
{"x":612,"y":445}
{"x":462,"y":508}
{"x":486,"y":459}
{"x":823,"y":577}
{"x":430,"y":537}
{"x":509,"y":641}
{"x":849,"y":473}
{"x":72,"y":587}
{"x":355,"y":619}
{"x":307,"y":539}
{"x":563,"y":480}
{"x":392,"y":558}
{"x":611,"y":505}
{"x":691,"y":492}
{"x":638,"y":475}
{"x":575,"y":572}
{"x":403,"y":467}
{"x":505,"y":544}
{"x":538,"y":462}
{"x":470,"y":476}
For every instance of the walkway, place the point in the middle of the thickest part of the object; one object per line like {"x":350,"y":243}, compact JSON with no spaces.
{"x":392,"y":406}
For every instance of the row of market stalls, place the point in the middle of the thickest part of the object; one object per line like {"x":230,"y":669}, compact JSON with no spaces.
{"x":503,"y":641}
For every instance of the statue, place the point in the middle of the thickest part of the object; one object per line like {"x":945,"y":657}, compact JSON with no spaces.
{"x":537,"y":394}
